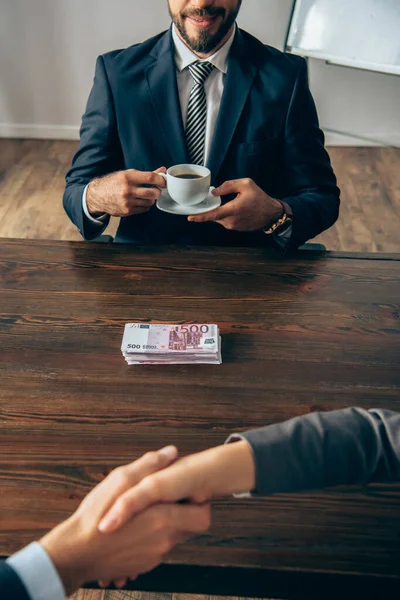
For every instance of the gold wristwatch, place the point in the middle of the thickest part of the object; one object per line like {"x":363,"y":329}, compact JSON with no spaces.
{"x":283,"y":222}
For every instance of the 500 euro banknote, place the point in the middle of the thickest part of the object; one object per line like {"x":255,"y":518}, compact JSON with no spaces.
{"x":195,"y":339}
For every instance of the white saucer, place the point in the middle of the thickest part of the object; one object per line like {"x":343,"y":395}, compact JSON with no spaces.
{"x":166,"y":204}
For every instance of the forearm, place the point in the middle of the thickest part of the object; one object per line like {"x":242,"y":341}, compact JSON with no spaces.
{"x":318,"y":450}
{"x":92,"y":200}
{"x":228,"y":469}
{"x":63,"y":545}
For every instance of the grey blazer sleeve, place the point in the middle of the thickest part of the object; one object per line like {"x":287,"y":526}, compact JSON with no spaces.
{"x":344,"y":447}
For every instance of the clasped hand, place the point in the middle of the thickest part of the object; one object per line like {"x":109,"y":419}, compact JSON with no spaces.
{"x":196,"y":478}
{"x":80,"y":551}
{"x":132,"y":519}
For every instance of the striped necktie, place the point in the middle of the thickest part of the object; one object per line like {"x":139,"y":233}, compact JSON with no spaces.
{"x":197,"y":113}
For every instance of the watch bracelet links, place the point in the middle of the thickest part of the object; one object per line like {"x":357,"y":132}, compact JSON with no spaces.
{"x":287,"y":217}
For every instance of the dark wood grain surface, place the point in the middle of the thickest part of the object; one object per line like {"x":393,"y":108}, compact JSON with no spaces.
{"x":313,"y":332}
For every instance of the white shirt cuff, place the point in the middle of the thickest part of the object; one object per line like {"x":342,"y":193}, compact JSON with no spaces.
{"x":99,"y":220}
{"x":283,"y":237}
{"x":37,"y":572}
{"x":236,"y":437}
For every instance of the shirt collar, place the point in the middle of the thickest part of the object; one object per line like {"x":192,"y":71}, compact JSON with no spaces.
{"x":185,"y":57}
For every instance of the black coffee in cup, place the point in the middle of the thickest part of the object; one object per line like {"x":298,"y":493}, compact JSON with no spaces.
{"x":188,"y":184}
{"x":188,"y":176}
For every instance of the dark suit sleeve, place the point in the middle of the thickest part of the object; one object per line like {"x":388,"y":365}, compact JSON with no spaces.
{"x":10,"y":584}
{"x":99,"y":151}
{"x":307,"y":178}
{"x":344,"y":447}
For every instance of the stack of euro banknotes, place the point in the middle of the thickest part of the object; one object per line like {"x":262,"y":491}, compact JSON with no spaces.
{"x":157,"y":344}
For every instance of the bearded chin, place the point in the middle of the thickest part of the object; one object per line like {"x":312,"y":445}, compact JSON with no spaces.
{"x":204,"y":42}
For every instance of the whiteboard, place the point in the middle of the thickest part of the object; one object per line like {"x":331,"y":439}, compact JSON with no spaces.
{"x":354,"y":33}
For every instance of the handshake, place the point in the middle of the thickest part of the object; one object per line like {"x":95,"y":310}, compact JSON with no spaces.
{"x":133,"y":518}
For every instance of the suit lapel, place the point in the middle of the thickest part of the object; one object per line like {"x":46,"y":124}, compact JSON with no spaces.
{"x":238,"y":82}
{"x":163,"y":91}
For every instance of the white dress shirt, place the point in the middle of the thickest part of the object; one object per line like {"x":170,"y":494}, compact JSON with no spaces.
{"x":37,"y":572}
{"x":214,"y":84}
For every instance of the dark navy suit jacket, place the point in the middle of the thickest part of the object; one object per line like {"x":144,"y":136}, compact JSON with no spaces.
{"x":267,"y":130}
{"x":11,"y":587}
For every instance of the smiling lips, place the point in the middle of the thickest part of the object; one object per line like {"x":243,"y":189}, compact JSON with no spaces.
{"x":201,"y":22}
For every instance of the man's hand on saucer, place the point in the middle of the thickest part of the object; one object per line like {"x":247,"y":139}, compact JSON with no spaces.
{"x":252,"y":209}
{"x":124,"y":193}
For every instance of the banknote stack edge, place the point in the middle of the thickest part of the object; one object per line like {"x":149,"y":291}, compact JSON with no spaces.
{"x":193,"y":343}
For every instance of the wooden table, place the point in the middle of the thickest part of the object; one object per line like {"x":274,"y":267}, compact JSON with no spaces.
{"x":313,"y":332}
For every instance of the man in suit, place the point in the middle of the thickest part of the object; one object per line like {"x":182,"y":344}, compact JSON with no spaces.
{"x":204,"y":92}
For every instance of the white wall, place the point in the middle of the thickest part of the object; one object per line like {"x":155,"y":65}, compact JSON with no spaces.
{"x":48,"y":50}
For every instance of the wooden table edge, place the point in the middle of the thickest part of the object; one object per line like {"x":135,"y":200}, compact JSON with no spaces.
{"x":299,"y":253}
{"x":264,"y":583}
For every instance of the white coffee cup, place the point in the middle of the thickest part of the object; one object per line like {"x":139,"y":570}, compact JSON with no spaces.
{"x":188,"y":184}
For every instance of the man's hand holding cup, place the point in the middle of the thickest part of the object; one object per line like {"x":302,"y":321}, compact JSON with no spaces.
{"x":124,"y":193}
